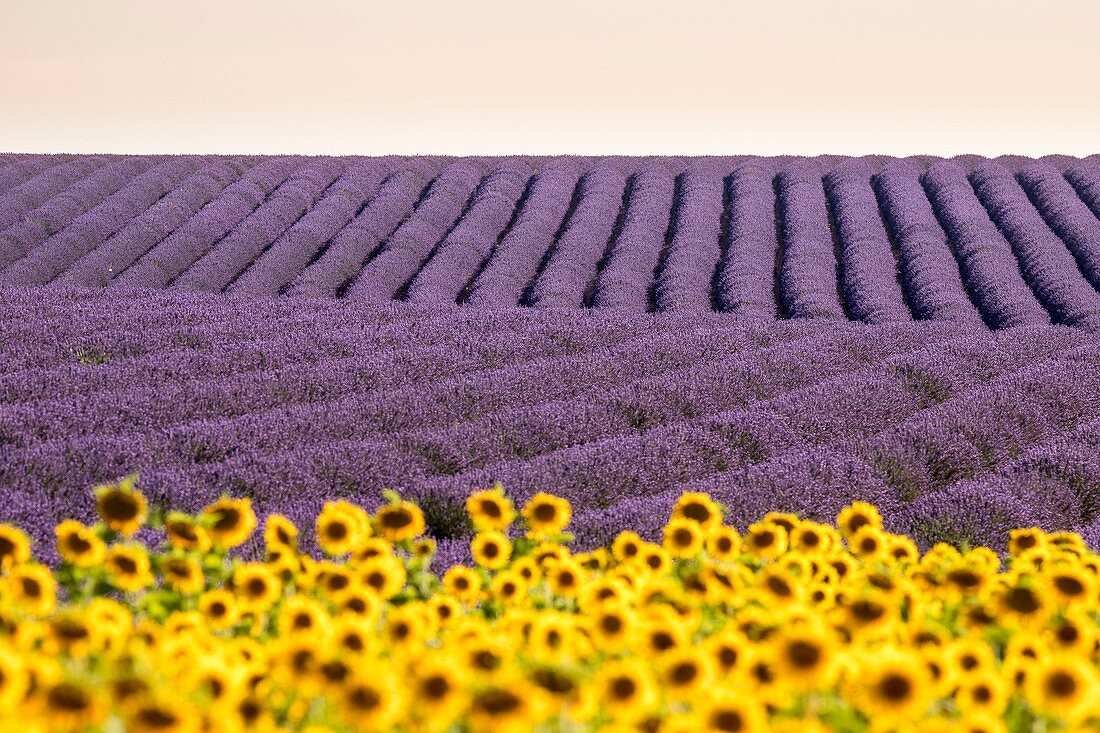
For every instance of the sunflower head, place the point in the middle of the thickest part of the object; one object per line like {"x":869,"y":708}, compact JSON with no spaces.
{"x":490,"y":510}
{"x":182,"y":574}
{"x":1064,"y":688}
{"x":546,"y":515}
{"x":765,"y":540}
{"x":400,"y":521}
{"x":185,"y":533}
{"x":229,"y":521}
{"x":121,"y":507}
{"x":683,"y":538}
{"x":1024,"y":540}
{"x":491,"y":549}
{"x":79,"y":545}
{"x":31,"y":588}
{"x":339,"y":530}
{"x":857,"y":515}
{"x":15,"y":546}
{"x":280,"y":533}
{"x":698,"y":507}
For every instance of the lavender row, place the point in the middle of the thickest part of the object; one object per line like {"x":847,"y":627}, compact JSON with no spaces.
{"x":930,"y":271}
{"x":571,"y":265}
{"x":171,"y":215}
{"x":1046,"y":263}
{"x":402,"y":254}
{"x":40,"y":188}
{"x":39,"y":224}
{"x":687,"y":272}
{"x":455,"y":262}
{"x":1066,"y":214}
{"x":746,"y":281}
{"x":343,"y":258}
{"x":232,"y":253}
{"x":160,"y":404}
{"x":625,"y":279}
{"x":869,"y":269}
{"x":808,"y":278}
{"x":96,"y":457}
{"x":986,"y":259}
{"x":297,"y":247}
{"x":536,"y":231}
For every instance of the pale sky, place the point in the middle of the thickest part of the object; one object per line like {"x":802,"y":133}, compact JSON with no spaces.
{"x":571,"y":76}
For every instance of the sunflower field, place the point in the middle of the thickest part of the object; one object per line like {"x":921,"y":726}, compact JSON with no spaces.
{"x":158,"y":621}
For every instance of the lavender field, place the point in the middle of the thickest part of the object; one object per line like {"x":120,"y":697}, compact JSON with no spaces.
{"x":786,"y":333}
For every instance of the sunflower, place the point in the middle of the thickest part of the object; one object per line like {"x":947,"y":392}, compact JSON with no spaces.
{"x":15,"y":546}
{"x":219,"y":607}
{"x":626,"y":546}
{"x":806,"y":657}
{"x":340,"y":529}
{"x":280,"y":533}
{"x":462,"y":583}
{"x":684,"y":672}
{"x":185,"y":533}
{"x":302,"y":616}
{"x":182,"y":574}
{"x":229,"y":521}
{"x":406,"y":627}
{"x":779,"y":586}
{"x":353,"y":634}
{"x":868,"y":544}
{"x":1071,"y":584}
{"x":902,"y":550}
{"x":1024,"y":603}
{"x":491,"y":549}
{"x":661,"y":634}
{"x":445,"y":608}
{"x":437,"y":691}
{"x":727,"y":650}
{"x":811,"y":538}
{"x":490,"y":510}
{"x":654,"y":559}
{"x":698,"y":507}
{"x":627,"y":689}
{"x":359,"y":602}
{"x":371,"y":701}
{"x":78,"y":545}
{"x":128,"y":567}
{"x":1065,"y":688}
{"x":14,"y":679}
{"x":891,"y":686}
{"x":32,"y":589}
{"x":507,"y":706}
{"x":400,"y":521}
{"x":384,"y":576}
{"x":612,"y":626}
{"x":371,"y":548}
{"x":565,"y":578}
{"x":72,"y":706}
{"x":256,"y":587}
{"x":161,"y":716}
{"x":74,"y":635}
{"x":508,"y":587}
{"x":546,"y":515}
{"x":725,"y":711}
{"x":121,"y":506}
{"x":683,"y":538}
{"x":1025,"y":540}
{"x":857,"y":515}
{"x":982,"y":693}
{"x":1072,"y":633}
{"x":723,"y":544}
{"x":550,"y":635}
{"x":765,"y":541}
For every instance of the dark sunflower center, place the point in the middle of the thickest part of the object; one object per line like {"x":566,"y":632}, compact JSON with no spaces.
{"x":728,"y":721}
{"x":684,"y":673}
{"x":896,"y":687}
{"x":803,"y":654}
{"x":119,"y":506}
{"x":491,"y":509}
{"x":336,"y":531}
{"x":396,"y":519}
{"x":156,"y":719}
{"x":1068,"y":585}
{"x":545,"y":512}
{"x":1022,"y":600}
{"x":623,"y":688}
{"x":1061,"y":684}
{"x":68,"y":698}
{"x":436,"y":687}
{"x":498,"y":702}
